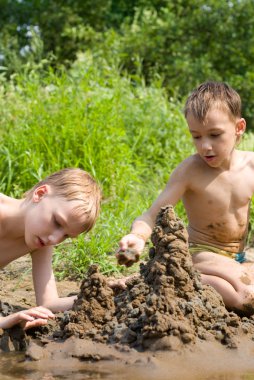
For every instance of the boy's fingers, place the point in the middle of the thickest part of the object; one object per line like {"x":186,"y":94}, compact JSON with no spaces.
{"x":34,"y":323}
{"x":117,"y":284}
{"x":39,"y":314}
{"x":36,"y":312}
{"x":25,"y":316}
{"x":45,"y":311}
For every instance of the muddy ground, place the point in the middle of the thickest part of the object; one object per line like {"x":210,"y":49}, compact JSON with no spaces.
{"x":165,"y":317}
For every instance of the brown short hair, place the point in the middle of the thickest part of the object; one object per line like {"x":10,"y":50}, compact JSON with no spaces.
{"x":75,"y":184}
{"x":213,"y":93}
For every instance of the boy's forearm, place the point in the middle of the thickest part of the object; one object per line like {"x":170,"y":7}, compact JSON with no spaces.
{"x":60,"y":304}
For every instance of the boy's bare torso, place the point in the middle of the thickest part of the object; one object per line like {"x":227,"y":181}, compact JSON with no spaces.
{"x":11,"y":250}
{"x":217,"y":202}
{"x":12,"y":243}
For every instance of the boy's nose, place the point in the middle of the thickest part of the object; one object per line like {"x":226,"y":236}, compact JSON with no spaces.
{"x":206,"y":145}
{"x":56,"y":237}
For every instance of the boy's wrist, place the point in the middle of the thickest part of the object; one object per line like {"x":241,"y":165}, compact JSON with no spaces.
{"x":139,"y":235}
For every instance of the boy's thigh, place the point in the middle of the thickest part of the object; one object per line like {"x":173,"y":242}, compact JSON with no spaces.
{"x":249,"y":269}
{"x":206,"y":258}
{"x":210,"y":263}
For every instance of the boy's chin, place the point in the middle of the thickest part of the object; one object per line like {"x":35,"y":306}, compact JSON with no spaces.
{"x":33,"y":243}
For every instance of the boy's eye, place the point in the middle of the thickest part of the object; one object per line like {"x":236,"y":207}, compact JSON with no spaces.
{"x":215,"y":135}
{"x":56,"y":222}
{"x":196,"y":137}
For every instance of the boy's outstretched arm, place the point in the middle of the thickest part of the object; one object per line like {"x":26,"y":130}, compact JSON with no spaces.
{"x":45,"y":284}
{"x":34,"y":317}
{"x":142,"y":226}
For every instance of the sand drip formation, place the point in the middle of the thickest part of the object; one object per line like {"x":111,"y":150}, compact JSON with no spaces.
{"x":165,"y":308}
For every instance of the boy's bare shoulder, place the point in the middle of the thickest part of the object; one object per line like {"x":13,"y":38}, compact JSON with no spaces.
{"x":246,"y":153}
{"x":191,"y":167}
{"x":192,"y":162}
{"x":246,"y":156}
{"x":1,"y":211}
{"x":250,"y":155}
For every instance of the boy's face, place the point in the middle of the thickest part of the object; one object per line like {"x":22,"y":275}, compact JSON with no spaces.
{"x":215,"y":137}
{"x":50,"y":219}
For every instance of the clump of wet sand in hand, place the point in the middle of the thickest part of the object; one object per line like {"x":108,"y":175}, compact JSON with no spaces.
{"x":128,"y":257}
{"x":165,"y":308}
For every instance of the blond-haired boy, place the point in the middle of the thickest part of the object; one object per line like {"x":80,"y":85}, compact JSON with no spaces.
{"x":216,"y":185}
{"x":63,"y":205}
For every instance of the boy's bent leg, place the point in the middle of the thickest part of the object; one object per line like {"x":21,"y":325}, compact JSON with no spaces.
{"x":232,"y":280}
{"x":231,"y":298}
{"x":249,"y":268}
{"x":209,"y":263}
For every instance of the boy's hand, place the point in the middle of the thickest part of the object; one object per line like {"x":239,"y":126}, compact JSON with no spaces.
{"x":127,"y":257}
{"x":131,"y":246}
{"x":120,"y":283}
{"x":34,"y":317}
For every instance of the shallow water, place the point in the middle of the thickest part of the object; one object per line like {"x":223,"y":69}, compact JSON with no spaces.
{"x":15,"y":366}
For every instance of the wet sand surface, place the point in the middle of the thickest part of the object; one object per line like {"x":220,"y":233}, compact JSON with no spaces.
{"x":166,"y":324}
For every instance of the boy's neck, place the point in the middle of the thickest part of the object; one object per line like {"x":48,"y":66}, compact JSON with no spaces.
{"x":12,"y":217}
{"x":229,"y":164}
{"x":234,"y":161}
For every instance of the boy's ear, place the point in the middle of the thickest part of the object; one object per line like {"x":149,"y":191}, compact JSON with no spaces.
{"x":240,"y":127}
{"x":40,"y":192}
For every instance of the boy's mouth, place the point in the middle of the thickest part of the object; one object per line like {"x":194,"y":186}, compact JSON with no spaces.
{"x":41,"y":242}
{"x":209,"y":158}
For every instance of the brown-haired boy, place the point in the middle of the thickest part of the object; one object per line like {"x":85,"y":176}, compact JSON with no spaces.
{"x":216,"y":185}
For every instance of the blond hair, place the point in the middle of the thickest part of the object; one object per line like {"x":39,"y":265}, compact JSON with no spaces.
{"x":213,"y":94}
{"x":75,"y":184}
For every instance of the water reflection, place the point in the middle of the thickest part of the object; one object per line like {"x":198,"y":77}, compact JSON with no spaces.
{"x":14,"y":366}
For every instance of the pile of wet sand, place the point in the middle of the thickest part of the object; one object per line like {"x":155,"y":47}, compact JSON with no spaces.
{"x":165,"y":308}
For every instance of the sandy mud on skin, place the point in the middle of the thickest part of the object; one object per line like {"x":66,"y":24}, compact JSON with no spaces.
{"x":163,"y":318}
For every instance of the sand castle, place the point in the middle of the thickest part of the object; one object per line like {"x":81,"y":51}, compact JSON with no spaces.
{"x":165,"y":308}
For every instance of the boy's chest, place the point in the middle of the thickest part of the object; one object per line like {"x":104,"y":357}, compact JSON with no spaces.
{"x":218,"y":209}
{"x":11,"y":249}
{"x":235,"y":189}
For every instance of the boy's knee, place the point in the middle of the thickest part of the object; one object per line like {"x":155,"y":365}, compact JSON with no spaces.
{"x":248,"y":301}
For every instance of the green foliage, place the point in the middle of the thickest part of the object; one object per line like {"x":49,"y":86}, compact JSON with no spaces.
{"x":186,"y":41}
{"x":114,"y":127}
